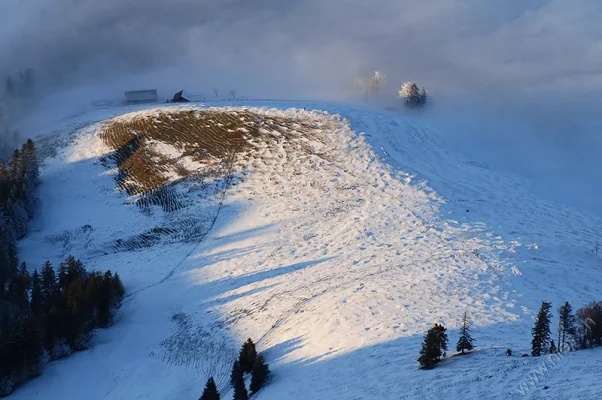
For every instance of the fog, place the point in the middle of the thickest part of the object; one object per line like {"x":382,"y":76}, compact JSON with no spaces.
{"x":309,"y":47}
{"x":520,"y":77}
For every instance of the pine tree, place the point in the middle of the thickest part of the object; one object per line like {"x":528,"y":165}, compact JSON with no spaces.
{"x":236,"y":374}
{"x":247,"y":356}
{"x":238,"y":382}
{"x":36,"y":294}
{"x":411,"y":95}
{"x":566,"y":326}
{"x":118,"y":289}
{"x":433,"y":347}
{"x":50,"y":287}
{"x":62,"y":277}
{"x":210,"y":392}
{"x":465,"y":342}
{"x":541,"y":331}
{"x":553,"y":347}
{"x":430,"y":351}
{"x":376,"y":82}
{"x":74,"y":313}
{"x":19,"y":288}
{"x":423,"y":96}
{"x":92,"y":299}
{"x":261,"y":371}
{"x":442,"y":338}
{"x":30,"y":158}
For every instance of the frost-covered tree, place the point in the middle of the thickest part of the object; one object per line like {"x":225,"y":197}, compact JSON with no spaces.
{"x":411,"y":95}
{"x":465,"y":342}
{"x":376,"y":82}
{"x":541,"y":331}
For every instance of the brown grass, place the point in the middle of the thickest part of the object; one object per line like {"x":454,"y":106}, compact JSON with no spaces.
{"x":208,"y":136}
{"x":217,"y":139}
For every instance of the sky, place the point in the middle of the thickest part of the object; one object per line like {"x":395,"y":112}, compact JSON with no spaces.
{"x":498,"y":71}
{"x":309,"y":47}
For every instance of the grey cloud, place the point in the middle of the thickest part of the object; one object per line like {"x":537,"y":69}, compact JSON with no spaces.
{"x":449,"y":43}
{"x":476,"y":57}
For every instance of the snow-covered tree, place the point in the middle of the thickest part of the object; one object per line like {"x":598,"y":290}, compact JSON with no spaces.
{"x":376,"y":82}
{"x":411,"y":95}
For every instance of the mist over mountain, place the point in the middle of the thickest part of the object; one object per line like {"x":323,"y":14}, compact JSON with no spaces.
{"x":524,"y":68}
{"x":309,"y":47}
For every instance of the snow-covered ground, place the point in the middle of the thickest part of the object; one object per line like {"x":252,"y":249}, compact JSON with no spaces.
{"x":336,"y":261}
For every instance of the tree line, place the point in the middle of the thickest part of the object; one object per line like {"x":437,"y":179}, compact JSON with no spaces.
{"x":576,"y":331}
{"x":18,"y":179}
{"x":48,"y":314}
{"x":249,"y":362}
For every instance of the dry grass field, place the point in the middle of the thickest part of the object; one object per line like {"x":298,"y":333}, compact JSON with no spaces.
{"x":183,"y":161}
{"x":210,"y":139}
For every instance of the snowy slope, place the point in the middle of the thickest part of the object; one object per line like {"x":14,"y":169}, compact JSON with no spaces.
{"x":335,"y":262}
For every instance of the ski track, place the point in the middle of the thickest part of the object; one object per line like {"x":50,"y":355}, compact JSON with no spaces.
{"x":335,"y":261}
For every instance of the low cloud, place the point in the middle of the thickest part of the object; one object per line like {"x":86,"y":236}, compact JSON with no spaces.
{"x":533,"y":68}
{"x":310,"y":46}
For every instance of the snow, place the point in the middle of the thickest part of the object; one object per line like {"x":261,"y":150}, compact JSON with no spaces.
{"x":335,"y":250}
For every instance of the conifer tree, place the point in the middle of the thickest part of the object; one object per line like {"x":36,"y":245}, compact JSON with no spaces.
{"x":118,"y":289}
{"x":465,"y":342}
{"x":412,"y":96}
{"x":238,"y":382}
{"x":19,"y":288}
{"x":552,"y":347}
{"x":423,"y":96}
{"x":247,"y":356}
{"x":261,"y":371}
{"x":30,"y":158}
{"x":566,"y":326}
{"x":441,"y":338}
{"x":236,"y":374}
{"x":210,"y":392}
{"x":430,"y":351}
{"x":49,"y":285}
{"x":541,"y":331}
{"x":36,"y":294}
{"x":433,"y":346}
{"x":62,"y":277}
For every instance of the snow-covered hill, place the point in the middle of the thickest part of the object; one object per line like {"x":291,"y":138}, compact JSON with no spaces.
{"x":334,"y":248}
